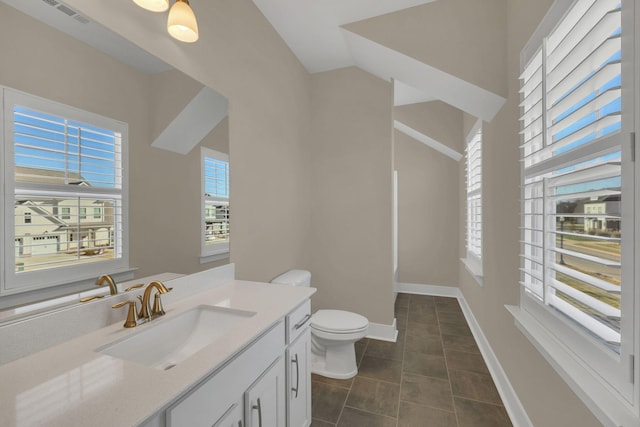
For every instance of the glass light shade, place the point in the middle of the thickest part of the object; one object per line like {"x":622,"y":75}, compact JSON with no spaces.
{"x":153,"y":5}
{"x":182,"y":23}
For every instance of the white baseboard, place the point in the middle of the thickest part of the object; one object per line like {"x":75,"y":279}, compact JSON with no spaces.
{"x":434,"y":290}
{"x":382,"y":332}
{"x":512,"y":404}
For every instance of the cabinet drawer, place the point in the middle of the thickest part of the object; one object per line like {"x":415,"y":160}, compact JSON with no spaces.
{"x":297,"y":320}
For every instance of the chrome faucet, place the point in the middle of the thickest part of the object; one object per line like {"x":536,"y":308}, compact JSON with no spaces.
{"x":146,"y":312}
{"x":112,"y":285}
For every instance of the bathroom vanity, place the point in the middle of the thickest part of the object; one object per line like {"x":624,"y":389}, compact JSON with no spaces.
{"x":237,"y":354}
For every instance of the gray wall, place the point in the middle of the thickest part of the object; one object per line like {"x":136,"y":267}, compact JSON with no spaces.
{"x":164,"y":188}
{"x":241,"y":56}
{"x":351,"y":175}
{"x":428,"y":202}
{"x":545,"y":396}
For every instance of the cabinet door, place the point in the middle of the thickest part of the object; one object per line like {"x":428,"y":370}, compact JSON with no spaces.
{"x":265,"y":399}
{"x":299,"y":380}
{"x":231,"y":418}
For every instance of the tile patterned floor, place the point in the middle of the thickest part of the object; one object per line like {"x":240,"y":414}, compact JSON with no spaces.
{"x":433,"y":375}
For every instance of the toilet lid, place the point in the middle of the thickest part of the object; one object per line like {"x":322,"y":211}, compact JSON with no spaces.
{"x":338,"y":321}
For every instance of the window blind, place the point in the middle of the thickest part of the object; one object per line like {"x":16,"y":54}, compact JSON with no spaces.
{"x":216,"y":205}
{"x":571,"y":184}
{"x":61,"y":168}
{"x":474,"y":194}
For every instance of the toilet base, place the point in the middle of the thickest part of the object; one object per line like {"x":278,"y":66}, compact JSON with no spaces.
{"x":333,"y":359}
{"x":318,"y":367}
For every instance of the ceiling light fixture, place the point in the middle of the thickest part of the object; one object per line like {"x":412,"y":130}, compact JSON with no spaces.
{"x":182,"y":24}
{"x":153,"y":5}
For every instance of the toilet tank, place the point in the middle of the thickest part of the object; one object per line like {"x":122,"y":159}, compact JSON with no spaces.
{"x":294,"y":278}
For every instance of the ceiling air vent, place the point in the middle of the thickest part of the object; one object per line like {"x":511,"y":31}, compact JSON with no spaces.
{"x":66,"y":10}
{"x":51,"y":2}
{"x":81,"y":19}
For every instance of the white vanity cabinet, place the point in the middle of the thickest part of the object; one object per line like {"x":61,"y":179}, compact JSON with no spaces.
{"x":217,"y":399}
{"x":299,"y":366}
{"x":264,"y":402}
{"x":268,"y":384}
{"x":233,"y":417}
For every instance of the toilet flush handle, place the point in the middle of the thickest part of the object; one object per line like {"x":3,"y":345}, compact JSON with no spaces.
{"x":301,"y":323}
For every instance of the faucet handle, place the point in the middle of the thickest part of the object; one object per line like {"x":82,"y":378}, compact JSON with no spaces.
{"x":157,"y":309}
{"x":144,"y":308}
{"x":132,"y":316}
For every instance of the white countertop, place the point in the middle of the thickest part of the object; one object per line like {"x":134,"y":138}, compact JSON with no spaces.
{"x":72,"y":385}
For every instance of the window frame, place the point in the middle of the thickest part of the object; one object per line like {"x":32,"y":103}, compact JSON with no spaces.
{"x":606,"y":383}
{"x":472,"y":260}
{"x":209,"y":253}
{"x":29,"y":285}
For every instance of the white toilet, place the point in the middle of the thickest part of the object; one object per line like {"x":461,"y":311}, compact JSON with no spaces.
{"x":333,"y":334}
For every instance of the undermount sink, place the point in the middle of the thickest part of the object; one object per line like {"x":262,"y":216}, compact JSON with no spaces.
{"x":170,"y":341}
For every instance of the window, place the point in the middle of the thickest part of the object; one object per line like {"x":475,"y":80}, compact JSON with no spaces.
{"x":578,"y":191}
{"x":27,"y":217}
{"x":58,"y":162}
{"x":473,"y":261}
{"x":215,"y":201}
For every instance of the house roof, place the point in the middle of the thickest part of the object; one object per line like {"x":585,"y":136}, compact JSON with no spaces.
{"x":48,"y":176}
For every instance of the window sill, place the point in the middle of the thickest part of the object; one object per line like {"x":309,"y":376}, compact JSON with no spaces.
{"x":474,"y":270}
{"x":605,"y":403}
{"x":57,"y":289}
{"x":213,"y":257}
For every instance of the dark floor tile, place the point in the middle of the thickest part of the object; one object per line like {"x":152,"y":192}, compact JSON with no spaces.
{"x":401,"y":312}
{"x":427,"y":317}
{"x":425,"y":364}
{"x":474,"y":386}
{"x":422,"y":329}
{"x":415,"y":308}
{"x":447,"y":304}
{"x":332,"y":381}
{"x":477,"y":414}
{"x":455,"y":329}
{"x":425,"y":345}
{"x":401,"y":324}
{"x":426,"y":300}
{"x":461,"y":361}
{"x":412,"y":415}
{"x":386,"y":350}
{"x":400,"y":296}
{"x":426,"y":391}
{"x":355,"y":418}
{"x":401,"y":302}
{"x":460,"y":343}
{"x":361,"y":347}
{"x":452,"y":317}
{"x":320,"y":423}
{"x":327,"y":401}
{"x":380,"y":369}
{"x":377,"y":397}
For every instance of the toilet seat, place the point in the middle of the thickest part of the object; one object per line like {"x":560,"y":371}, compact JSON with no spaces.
{"x":338,"y":322}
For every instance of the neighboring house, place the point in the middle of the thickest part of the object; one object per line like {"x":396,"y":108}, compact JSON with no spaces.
{"x":606,"y":214}
{"x":50,"y":225}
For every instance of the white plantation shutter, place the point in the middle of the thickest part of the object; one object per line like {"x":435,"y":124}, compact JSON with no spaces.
{"x":62,"y":163}
{"x":474,"y":197}
{"x":216,"y":219}
{"x":572,"y":170}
